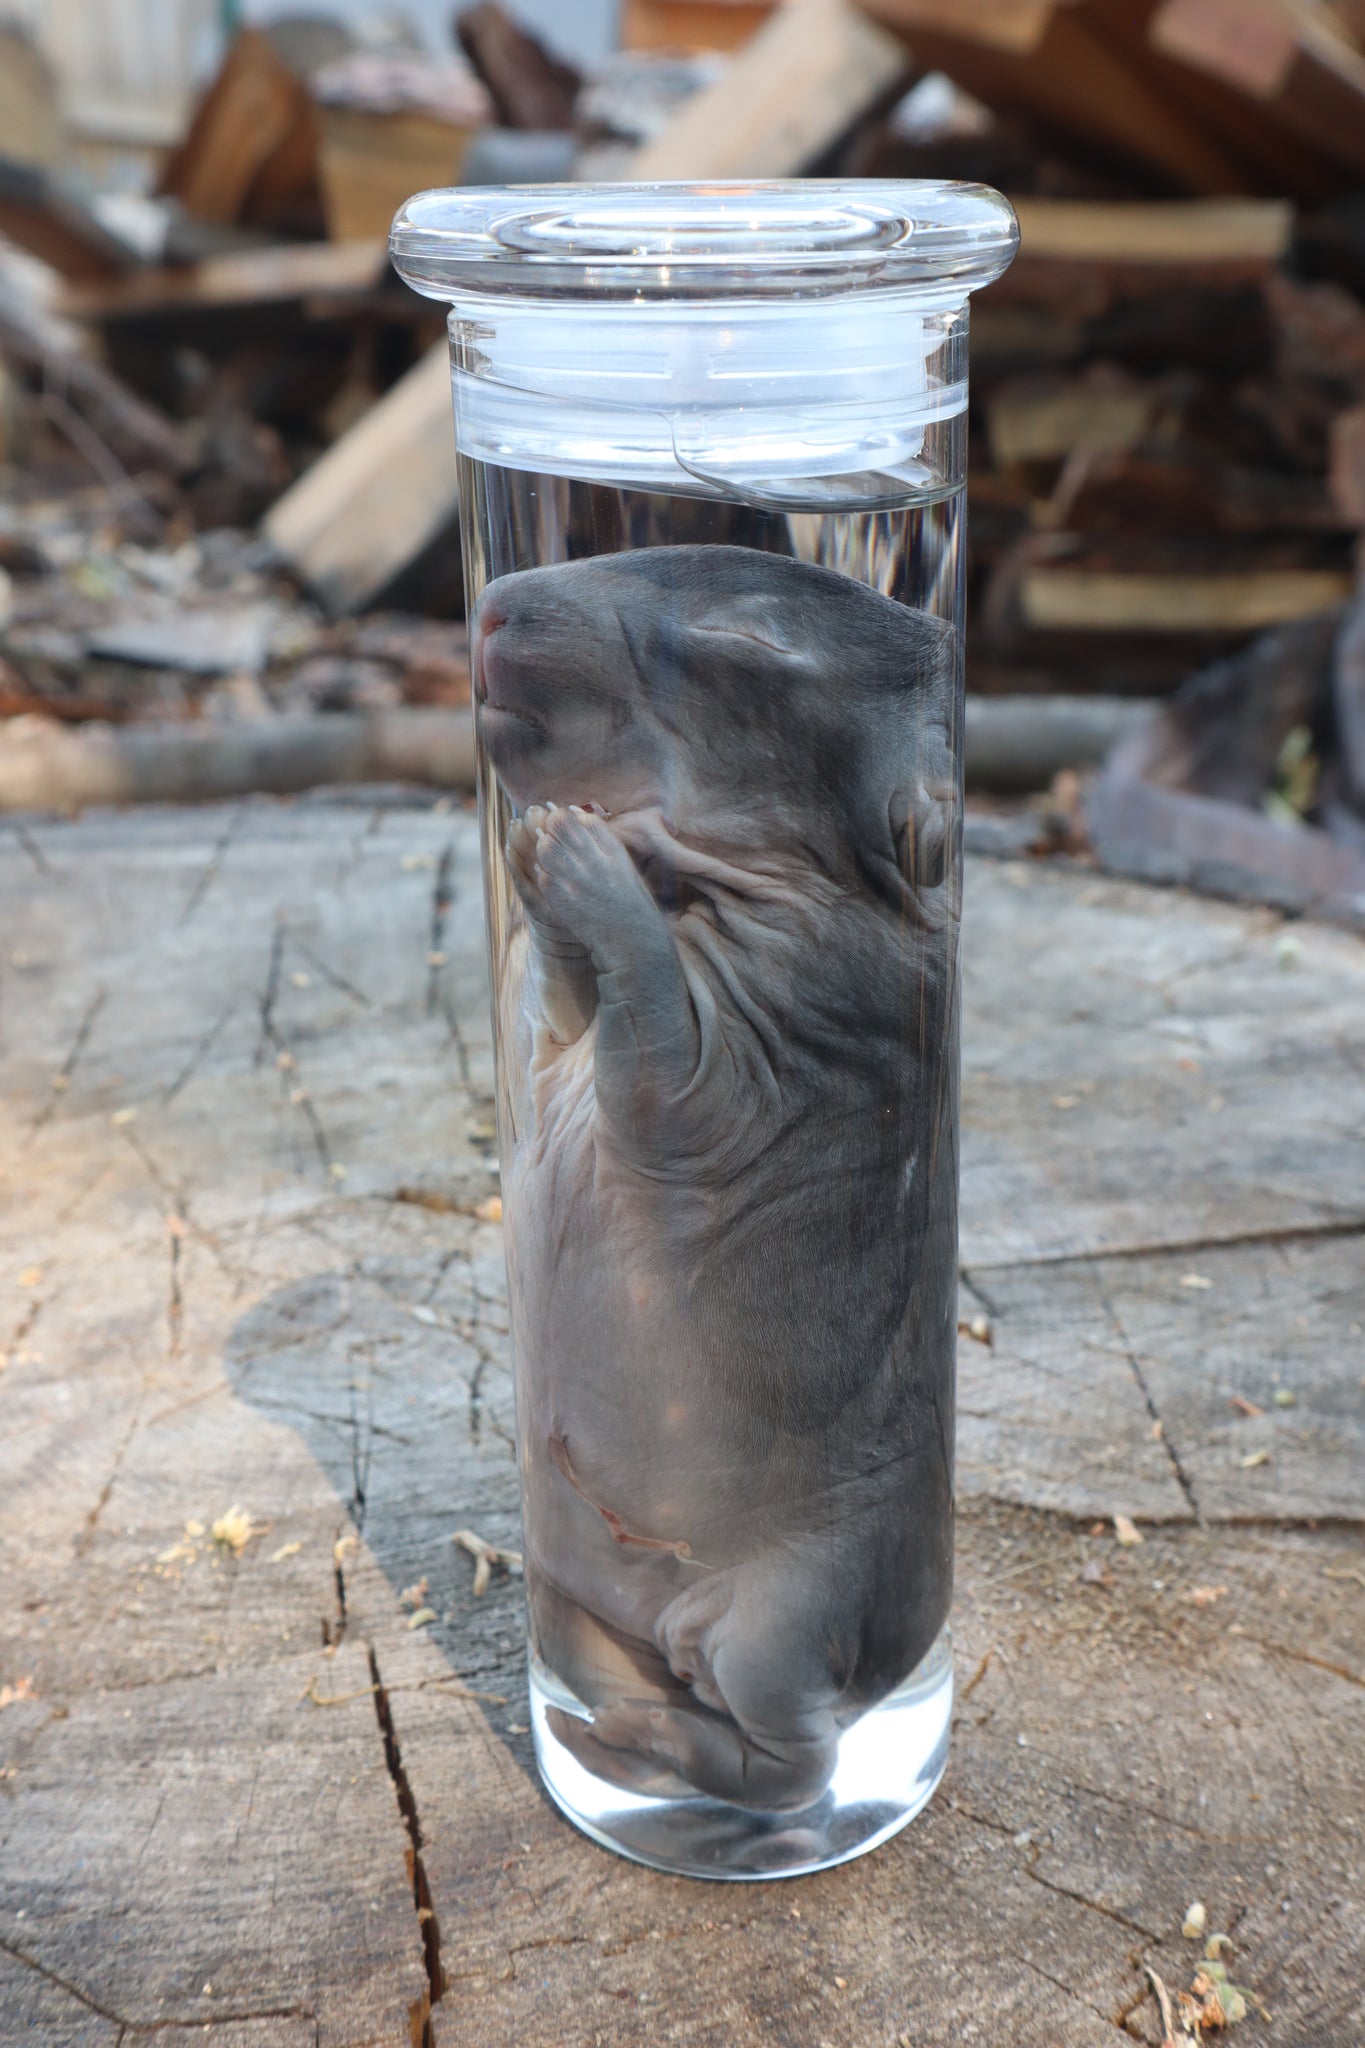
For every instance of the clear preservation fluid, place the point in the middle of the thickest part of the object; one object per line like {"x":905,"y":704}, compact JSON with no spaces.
{"x":720,"y":771}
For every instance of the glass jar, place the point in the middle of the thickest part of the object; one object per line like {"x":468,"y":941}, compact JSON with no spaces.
{"x":712,"y":458}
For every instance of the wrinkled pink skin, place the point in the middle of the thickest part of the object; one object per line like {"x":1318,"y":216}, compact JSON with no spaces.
{"x":730,"y":1194}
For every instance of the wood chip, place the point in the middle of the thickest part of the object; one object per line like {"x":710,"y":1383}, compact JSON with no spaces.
{"x":234,"y":1529}
{"x":1245,"y":1407}
{"x":485,"y":1556}
{"x":1254,"y":1458}
{"x":1126,"y":1532}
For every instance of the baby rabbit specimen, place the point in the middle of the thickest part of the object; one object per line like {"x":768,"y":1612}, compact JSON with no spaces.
{"x":730,"y":1187}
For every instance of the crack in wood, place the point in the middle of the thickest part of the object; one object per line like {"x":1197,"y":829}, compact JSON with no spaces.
{"x":1147,"y":1935}
{"x":209,"y":873}
{"x":29,"y":1962}
{"x":198,"y":1056}
{"x":297,"y":1096}
{"x":34,"y":851}
{"x":429,"y":1926}
{"x":1182,"y":1477}
{"x":175,"y":1301}
{"x":1295,"y":1233}
{"x":270,"y":992}
{"x":442,"y":902}
{"x":68,"y":1066}
{"x":86,"y":1534}
{"x":177,"y":1200}
{"x":329,"y":974}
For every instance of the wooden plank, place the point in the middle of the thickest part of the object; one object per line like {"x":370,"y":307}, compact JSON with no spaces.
{"x":1089,"y":71}
{"x":247,"y":277}
{"x":199,"y":1310}
{"x":795,"y":88}
{"x":1094,"y":600}
{"x":1064,"y":71}
{"x":1290,"y":63}
{"x":43,"y":767}
{"x":529,"y":88}
{"x":369,"y":163}
{"x":1195,"y":233}
{"x":1037,"y":422}
{"x":691,"y":24}
{"x":379,"y":494}
{"x":253,"y":138}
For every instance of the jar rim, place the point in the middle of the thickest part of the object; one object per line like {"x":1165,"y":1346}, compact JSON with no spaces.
{"x":728,"y":239}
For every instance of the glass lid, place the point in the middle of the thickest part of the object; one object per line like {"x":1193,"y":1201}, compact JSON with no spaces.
{"x":742,"y":240}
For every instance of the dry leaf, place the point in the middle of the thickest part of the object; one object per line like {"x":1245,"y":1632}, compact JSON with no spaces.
{"x":1126,"y":1532}
{"x":414,"y":1596}
{"x":423,"y":1618}
{"x":1254,"y":1458}
{"x":1204,"y":1596}
{"x":490,"y":1211}
{"x":1195,"y":1921}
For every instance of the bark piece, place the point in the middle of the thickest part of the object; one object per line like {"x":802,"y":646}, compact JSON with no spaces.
{"x":528,"y":87}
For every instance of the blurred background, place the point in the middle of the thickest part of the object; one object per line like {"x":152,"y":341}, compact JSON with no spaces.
{"x":228,"y":521}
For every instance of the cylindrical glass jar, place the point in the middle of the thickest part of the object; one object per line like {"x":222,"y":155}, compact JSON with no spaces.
{"x":712,"y":450}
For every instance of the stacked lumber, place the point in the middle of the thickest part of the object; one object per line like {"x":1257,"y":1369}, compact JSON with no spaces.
{"x":1170,"y":452}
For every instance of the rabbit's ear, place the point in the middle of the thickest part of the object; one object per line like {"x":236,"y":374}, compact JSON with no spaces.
{"x":766,"y":622}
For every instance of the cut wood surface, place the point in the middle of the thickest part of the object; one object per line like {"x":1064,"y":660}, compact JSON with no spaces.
{"x":378,"y":496}
{"x":1181,"y":232}
{"x":1112,"y":601}
{"x":794,"y":89}
{"x":690,"y":24}
{"x":251,"y":150}
{"x":1213,"y":96}
{"x":248,"y":1138}
{"x":247,"y":277}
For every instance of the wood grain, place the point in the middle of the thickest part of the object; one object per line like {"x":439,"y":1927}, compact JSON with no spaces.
{"x":246,"y":1083}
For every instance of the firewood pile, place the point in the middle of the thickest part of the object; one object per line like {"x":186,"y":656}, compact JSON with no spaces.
{"x":225,"y":403}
